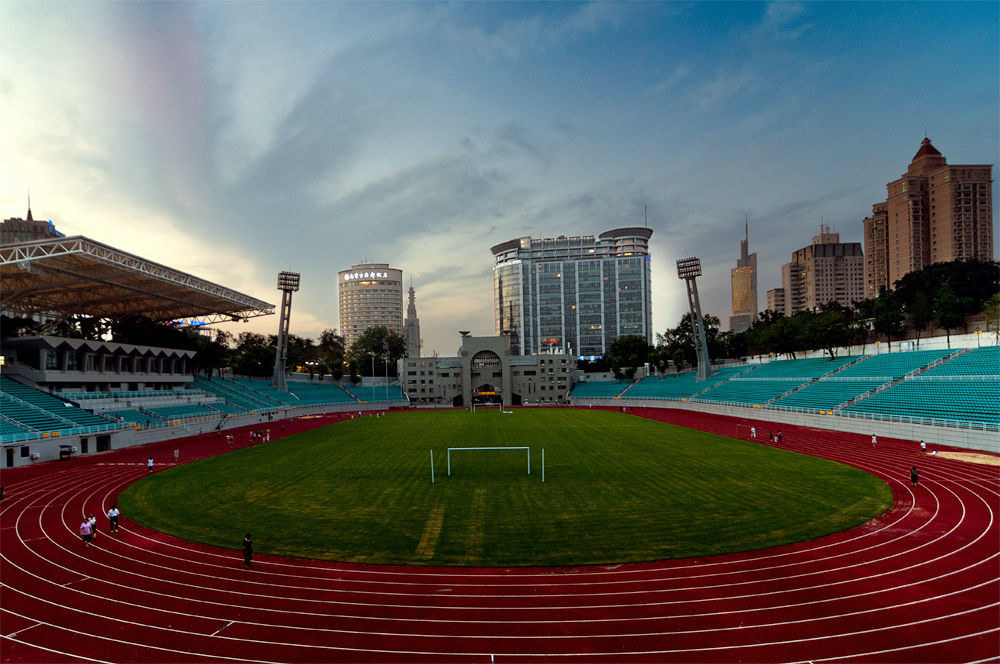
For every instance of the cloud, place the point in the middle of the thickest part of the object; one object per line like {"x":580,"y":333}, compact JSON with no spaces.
{"x":541,"y":31}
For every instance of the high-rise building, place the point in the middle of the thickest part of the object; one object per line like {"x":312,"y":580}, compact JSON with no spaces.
{"x":371,"y":295}
{"x":776,"y":300}
{"x":573,"y":294}
{"x":827,"y":270}
{"x":744,"y":284}
{"x":934,"y":213}
{"x":876,"y":250}
{"x":412,"y":328}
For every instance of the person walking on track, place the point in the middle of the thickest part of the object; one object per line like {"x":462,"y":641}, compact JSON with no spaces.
{"x":113,"y":517}
{"x":914,"y":476}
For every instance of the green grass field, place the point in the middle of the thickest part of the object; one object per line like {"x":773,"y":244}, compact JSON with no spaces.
{"x":617,"y":489}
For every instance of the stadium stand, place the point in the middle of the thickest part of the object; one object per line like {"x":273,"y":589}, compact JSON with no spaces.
{"x":181,"y":411}
{"x":262,"y":389}
{"x":749,"y":392}
{"x":804,"y":368}
{"x":976,"y":362}
{"x":681,"y":386}
{"x":598,"y":389}
{"x":235,"y":394}
{"x":223,"y":407}
{"x":35,"y":411}
{"x":375,"y":394}
{"x":137,"y":417}
{"x":892,"y":365}
{"x":962,"y":400}
{"x":828,"y":394}
{"x":313,"y":394}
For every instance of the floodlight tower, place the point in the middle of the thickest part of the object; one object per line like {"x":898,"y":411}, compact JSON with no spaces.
{"x":288,"y":283}
{"x":688,"y":269}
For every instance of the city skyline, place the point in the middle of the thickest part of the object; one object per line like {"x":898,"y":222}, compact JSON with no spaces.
{"x":233,"y":141}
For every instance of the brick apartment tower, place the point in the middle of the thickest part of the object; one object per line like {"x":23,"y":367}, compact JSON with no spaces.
{"x":934,"y":213}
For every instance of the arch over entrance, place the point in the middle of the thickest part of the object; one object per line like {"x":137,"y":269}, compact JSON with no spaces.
{"x":486,"y":370}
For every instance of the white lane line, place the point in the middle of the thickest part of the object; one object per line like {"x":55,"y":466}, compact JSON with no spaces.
{"x":23,"y":629}
{"x":223,"y":627}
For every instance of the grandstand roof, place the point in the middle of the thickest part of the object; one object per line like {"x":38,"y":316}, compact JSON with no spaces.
{"x":61,"y":277}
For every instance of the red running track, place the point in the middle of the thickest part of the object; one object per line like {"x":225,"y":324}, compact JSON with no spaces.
{"x":917,"y":584}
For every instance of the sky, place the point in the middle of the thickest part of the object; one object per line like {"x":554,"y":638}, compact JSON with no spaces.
{"x":235,"y":140}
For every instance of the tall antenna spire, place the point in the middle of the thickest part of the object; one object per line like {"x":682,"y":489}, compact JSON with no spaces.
{"x":29,"y":205}
{"x":645,"y":219}
{"x":747,"y":228}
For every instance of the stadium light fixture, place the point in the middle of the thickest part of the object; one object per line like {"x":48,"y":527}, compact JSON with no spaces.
{"x":688,"y":268}
{"x":288,"y":281}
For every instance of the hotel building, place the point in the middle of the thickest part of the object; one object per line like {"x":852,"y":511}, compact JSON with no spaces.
{"x":573,"y":295}
{"x":934,"y":213}
{"x":370,"y":295}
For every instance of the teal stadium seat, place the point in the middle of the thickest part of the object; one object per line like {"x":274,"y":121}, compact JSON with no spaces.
{"x":892,"y":365}
{"x":681,"y":386}
{"x":598,"y":389}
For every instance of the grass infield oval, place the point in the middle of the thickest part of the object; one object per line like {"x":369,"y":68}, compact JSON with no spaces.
{"x":617,"y":489}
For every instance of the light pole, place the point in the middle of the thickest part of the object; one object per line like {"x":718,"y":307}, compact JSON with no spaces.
{"x":288,"y":283}
{"x":688,"y":269}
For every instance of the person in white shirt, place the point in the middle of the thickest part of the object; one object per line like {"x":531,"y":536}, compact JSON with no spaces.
{"x":113,"y":516}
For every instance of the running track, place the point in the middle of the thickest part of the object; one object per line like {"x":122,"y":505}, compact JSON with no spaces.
{"x":921,"y":583}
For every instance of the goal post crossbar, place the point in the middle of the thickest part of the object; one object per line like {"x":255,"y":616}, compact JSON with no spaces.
{"x":463,"y":449}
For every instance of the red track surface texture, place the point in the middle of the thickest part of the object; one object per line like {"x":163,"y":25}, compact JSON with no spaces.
{"x":919,"y":583}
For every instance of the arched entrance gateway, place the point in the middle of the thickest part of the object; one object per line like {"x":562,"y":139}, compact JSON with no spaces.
{"x":486,"y":370}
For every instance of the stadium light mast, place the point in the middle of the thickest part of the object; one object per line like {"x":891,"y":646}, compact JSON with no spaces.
{"x":288,"y":283}
{"x":688,"y":269}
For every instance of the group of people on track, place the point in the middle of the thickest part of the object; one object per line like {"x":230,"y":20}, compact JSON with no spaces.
{"x":88,"y":529}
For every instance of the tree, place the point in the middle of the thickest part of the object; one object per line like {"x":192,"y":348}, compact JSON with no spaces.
{"x":378,"y":348}
{"x":992,"y":311}
{"x":951,"y":309}
{"x":976,"y":280}
{"x":831,"y":328}
{"x":627,"y":353}
{"x":255,"y":354}
{"x":888,"y":315}
{"x":331,"y":347}
{"x":920,"y":313}
{"x":213,"y":354}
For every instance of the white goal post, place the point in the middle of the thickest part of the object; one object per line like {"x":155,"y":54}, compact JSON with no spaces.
{"x":466,"y":449}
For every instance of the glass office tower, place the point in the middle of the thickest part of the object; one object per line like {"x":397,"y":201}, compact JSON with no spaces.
{"x":573,"y":294}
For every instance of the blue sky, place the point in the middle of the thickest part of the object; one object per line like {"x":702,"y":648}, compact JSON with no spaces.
{"x":234,"y":140}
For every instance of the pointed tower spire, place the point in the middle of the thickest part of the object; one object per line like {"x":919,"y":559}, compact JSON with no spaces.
{"x":411,"y":326}
{"x":29,"y":205}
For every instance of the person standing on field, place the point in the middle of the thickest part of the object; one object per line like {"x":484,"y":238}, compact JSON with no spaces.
{"x":149,"y":464}
{"x":914,"y":476}
{"x":247,"y":550}
{"x":874,"y":440}
{"x":113,"y":516}
{"x":753,"y":432}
